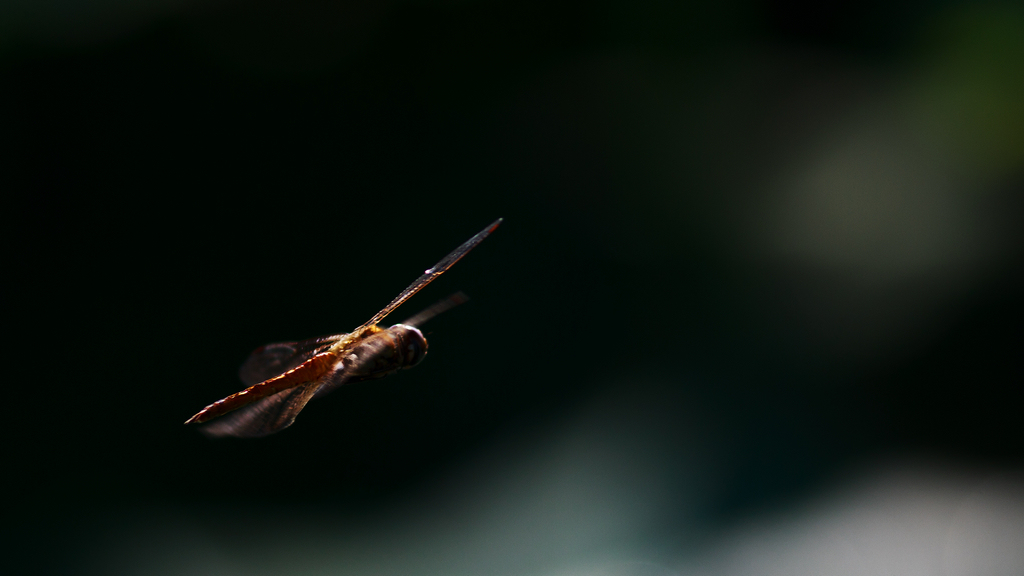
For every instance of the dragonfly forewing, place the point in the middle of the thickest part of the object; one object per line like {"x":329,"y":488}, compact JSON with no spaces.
{"x":273,"y":360}
{"x":309,"y":371}
{"x":265,"y":416}
{"x":433,"y":272}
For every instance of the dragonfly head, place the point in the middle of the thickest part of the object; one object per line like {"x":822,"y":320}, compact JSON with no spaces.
{"x":413,"y":344}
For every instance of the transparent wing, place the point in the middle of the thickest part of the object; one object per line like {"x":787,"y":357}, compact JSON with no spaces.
{"x":276,"y":412}
{"x":272,"y":360}
{"x":433,"y":272}
{"x":265,"y":416}
{"x":437,"y":308}
{"x":312,"y":370}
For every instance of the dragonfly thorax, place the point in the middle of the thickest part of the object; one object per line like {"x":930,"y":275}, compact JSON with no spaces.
{"x":384,"y":352}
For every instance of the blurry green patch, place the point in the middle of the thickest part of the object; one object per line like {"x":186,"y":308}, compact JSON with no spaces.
{"x":970,"y":95}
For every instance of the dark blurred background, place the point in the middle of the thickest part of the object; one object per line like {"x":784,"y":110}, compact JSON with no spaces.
{"x":754,"y":308}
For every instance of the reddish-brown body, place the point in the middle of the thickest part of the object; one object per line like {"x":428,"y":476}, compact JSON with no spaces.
{"x":283,"y":377}
{"x":373,"y":353}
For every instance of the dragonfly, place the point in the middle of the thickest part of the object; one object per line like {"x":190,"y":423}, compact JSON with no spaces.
{"x":283,"y":377}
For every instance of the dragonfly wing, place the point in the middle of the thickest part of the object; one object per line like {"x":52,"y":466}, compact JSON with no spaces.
{"x":312,"y":370}
{"x":277,"y":411}
{"x":265,"y":416}
{"x":433,"y":272}
{"x":272,"y":360}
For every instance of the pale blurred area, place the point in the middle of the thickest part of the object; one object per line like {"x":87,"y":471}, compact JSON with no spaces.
{"x":751,"y":243}
{"x":599,"y":493}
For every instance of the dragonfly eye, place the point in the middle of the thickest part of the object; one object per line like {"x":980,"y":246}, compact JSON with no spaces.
{"x":412,"y":344}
